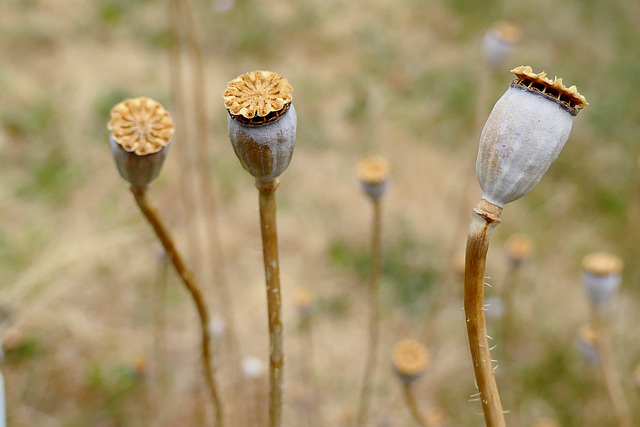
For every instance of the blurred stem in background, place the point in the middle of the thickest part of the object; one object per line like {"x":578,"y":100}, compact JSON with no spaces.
{"x":374,"y":178}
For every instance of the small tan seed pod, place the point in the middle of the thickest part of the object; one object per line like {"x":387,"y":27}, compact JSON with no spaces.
{"x":140,"y":133}
{"x":410,"y":359}
{"x":587,"y":344}
{"x":262,"y":123}
{"x":601,"y":276}
{"x":524,"y":134}
{"x":519,"y":248}
{"x":499,"y":42}
{"x":374,"y":176}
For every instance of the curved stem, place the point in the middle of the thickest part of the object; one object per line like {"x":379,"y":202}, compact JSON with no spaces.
{"x":413,"y":407}
{"x":485,"y":217}
{"x":376,"y":258}
{"x":274,"y":301}
{"x":153,"y":216}
{"x":609,"y":371}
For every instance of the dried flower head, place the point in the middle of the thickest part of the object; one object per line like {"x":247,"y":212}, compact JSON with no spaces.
{"x":141,"y":125}
{"x":410,"y":359}
{"x":519,"y":248}
{"x":262,"y":123}
{"x":258,"y":97}
{"x":601,"y":276}
{"x":374,"y":176}
{"x":499,"y":42}
{"x":140,"y":133}
{"x":524,"y":134}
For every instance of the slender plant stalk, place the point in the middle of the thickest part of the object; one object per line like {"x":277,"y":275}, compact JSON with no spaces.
{"x":409,"y":397}
{"x":482,"y":224}
{"x":376,"y":258}
{"x":267,"y":203}
{"x":609,"y":370}
{"x":208,"y":197}
{"x":153,"y":216}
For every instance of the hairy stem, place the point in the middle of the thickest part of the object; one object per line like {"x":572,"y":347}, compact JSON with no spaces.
{"x":274,"y":300}
{"x":485,"y":217}
{"x":153,"y":216}
{"x":376,"y":257}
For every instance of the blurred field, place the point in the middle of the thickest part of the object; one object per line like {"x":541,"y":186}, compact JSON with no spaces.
{"x":89,"y":338}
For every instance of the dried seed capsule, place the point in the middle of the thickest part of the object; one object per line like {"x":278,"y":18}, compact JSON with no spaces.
{"x":524,"y":134}
{"x":499,"y":42}
{"x":262,"y":123}
{"x":519,"y":248}
{"x":140,"y":133}
{"x":410,"y":359}
{"x":587,"y":345}
{"x":601,"y":276}
{"x":374,"y":176}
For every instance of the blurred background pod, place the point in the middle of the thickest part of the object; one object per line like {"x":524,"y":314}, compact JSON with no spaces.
{"x":141,"y":130}
{"x":587,"y":345}
{"x":499,"y":41}
{"x":601,"y":276}
{"x":524,"y":134}
{"x":410,"y":359}
{"x":262,"y":123}
{"x":374,"y":176}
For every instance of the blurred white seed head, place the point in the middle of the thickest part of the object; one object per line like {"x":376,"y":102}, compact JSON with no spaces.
{"x":374,"y":176}
{"x":262,"y":123}
{"x":499,"y":41}
{"x":601,"y":276}
{"x":524,"y":134}
{"x":217,"y":327}
{"x":252,"y":367}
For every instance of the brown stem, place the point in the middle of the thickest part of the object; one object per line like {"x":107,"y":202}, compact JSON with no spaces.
{"x":376,"y":257}
{"x":413,"y":407}
{"x":274,"y":301}
{"x":485,"y":218}
{"x":609,"y":371}
{"x":153,"y":216}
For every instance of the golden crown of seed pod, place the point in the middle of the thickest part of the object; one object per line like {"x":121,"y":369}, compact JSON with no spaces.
{"x":507,"y":31}
{"x":373,"y":170}
{"x":602,"y":264}
{"x":410,"y":359}
{"x":519,"y":247}
{"x":262,"y":123}
{"x":141,"y":126}
{"x":258,"y":96}
{"x":568,"y":96}
{"x":374,"y":176}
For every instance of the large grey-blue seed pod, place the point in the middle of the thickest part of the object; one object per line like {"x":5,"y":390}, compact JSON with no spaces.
{"x":140,"y":133}
{"x":524,"y":134}
{"x":262,"y":123}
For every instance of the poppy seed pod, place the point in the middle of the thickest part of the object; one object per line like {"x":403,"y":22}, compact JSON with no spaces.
{"x":410,"y":359}
{"x":524,"y":134}
{"x":140,"y":133}
{"x":499,"y":42}
{"x":374,"y":176}
{"x":601,"y":276}
{"x":262,"y":123}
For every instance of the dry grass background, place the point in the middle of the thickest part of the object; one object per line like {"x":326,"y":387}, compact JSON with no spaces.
{"x":81,"y":272}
